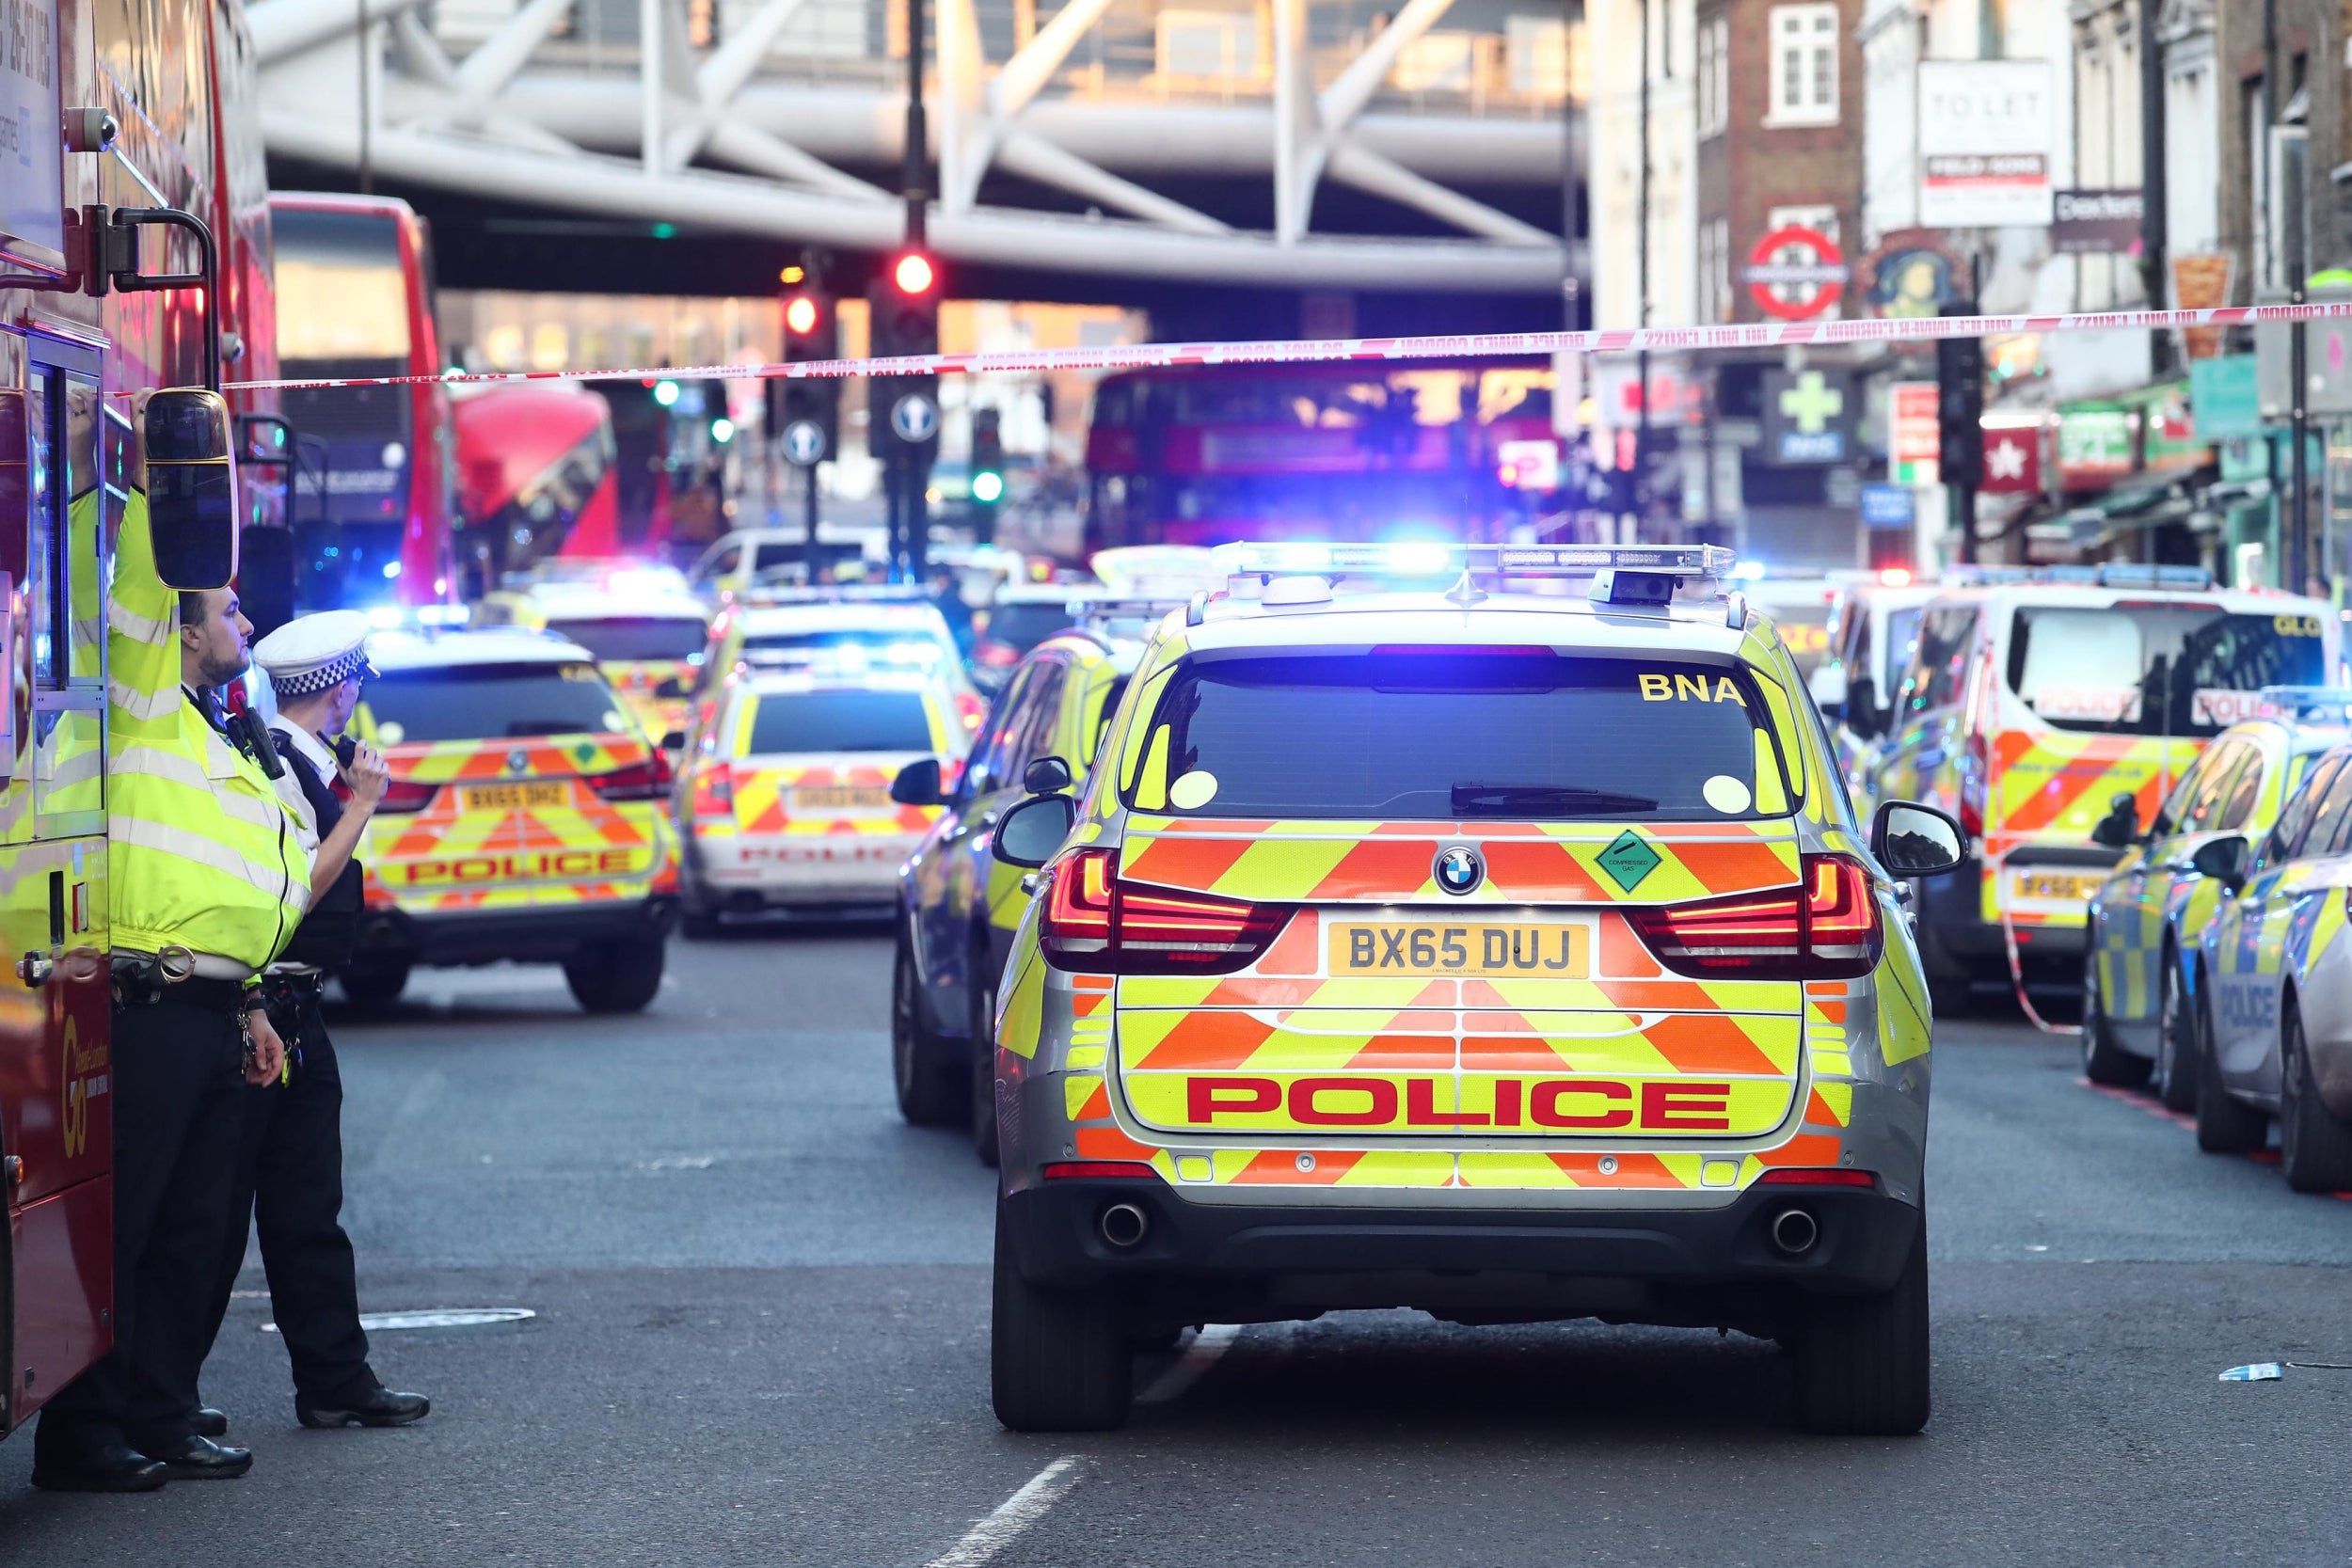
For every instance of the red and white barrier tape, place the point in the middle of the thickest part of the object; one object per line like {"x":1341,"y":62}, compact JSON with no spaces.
{"x":1477,"y":346}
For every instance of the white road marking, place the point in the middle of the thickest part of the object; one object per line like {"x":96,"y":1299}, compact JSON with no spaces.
{"x":1013,"y":1515}
{"x":1209,"y":1344}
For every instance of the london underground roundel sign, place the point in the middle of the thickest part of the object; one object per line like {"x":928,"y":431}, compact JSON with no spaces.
{"x":1778,"y":261}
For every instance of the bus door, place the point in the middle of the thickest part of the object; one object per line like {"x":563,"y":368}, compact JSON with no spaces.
{"x":64,"y":467}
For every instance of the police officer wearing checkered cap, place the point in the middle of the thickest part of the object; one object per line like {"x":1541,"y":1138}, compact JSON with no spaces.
{"x":290,"y":1181}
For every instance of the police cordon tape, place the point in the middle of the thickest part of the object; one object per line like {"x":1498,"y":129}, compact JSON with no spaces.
{"x":1137,"y":357}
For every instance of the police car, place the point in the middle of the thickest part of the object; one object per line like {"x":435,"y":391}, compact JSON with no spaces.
{"x":2029,"y":705}
{"x":526,"y":819}
{"x":2143,"y":976}
{"x":644,"y":629}
{"x":2276,"y":1013}
{"x":1471,"y":949}
{"x":959,"y":905}
{"x":785,"y":802}
{"x":839,"y":628}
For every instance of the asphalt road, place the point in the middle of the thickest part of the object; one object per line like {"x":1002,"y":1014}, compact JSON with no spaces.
{"x":762,"y":1324}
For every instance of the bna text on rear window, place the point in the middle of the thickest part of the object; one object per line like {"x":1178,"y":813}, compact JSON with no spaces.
{"x":1446,"y":735}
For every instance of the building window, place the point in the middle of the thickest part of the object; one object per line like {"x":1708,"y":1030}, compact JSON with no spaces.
{"x":1714,"y":84}
{"x":1714,"y":271}
{"x":1803,"y":71}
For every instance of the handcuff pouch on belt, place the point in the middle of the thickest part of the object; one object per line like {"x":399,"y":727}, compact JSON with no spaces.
{"x":138,"y":979}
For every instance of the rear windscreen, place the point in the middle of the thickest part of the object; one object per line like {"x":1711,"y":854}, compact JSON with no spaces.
{"x":2157,"y":668}
{"x":635,"y":637}
{"x":491,"y":702}
{"x":839,"y":721}
{"x":1521,"y":736}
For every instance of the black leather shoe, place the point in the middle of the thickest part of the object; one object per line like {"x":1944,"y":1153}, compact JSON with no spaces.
{"x":377,"y":1407}
{"x":109,"y":1467}
{"x":210,"y":1422}
{"x":202,"y":1459}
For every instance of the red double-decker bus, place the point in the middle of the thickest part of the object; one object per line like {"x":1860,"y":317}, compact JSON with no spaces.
{"x":537,"y":478}
{"x":355,"y":300}
{"x":1204,"y":454}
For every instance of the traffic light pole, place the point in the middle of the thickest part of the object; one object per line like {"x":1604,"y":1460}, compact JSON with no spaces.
{"x":808,"y":515}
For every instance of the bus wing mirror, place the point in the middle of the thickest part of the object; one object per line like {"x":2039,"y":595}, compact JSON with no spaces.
{"x":190,"y":462}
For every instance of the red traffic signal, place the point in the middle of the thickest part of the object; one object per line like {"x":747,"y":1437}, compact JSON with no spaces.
{"x":914,"y":274}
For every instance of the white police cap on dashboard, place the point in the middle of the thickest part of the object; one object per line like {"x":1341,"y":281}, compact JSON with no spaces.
{"x":314,"y":653}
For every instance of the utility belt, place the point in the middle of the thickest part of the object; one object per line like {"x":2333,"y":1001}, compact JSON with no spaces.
{"x":143,"y":979}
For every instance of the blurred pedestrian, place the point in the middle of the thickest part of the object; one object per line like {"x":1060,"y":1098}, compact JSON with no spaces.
{"x":290,"y":1179}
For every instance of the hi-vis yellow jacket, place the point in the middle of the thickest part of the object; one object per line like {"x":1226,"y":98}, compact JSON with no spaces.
{"x":203,"y":852}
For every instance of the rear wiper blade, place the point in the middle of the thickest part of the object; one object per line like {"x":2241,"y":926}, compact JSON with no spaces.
{"x":1512,"y":800}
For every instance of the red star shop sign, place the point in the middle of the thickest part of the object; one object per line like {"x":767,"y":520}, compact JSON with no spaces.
{"x":2012,"y":460}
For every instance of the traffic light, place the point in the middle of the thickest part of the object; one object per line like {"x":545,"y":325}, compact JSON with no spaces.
{"x":812,"y":332}
{"x":1960,"y":404}
{"x":988,"y":473}
{"x":903,"y":429}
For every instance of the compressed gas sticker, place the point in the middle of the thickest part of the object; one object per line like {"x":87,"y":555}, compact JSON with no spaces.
{"x":1628,"y":860}
{"x":1726,"y":794}
{"x":1194,"y":790}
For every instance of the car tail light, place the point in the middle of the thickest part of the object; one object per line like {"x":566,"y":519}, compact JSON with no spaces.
{"x":970,"y":709}
{"x":1097,"y":922}
{"x":1080,"y":1170}
{"x":996,"y":655}
{"x":1800,"y":1176}
{"x":714,"y":789}
{"x":1976,"y":783}
{"x":648,"y":780}
{"x":1827,"y":927}
{"x":403,"y":796}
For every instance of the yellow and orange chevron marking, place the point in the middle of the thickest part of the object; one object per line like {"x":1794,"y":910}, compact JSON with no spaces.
{"x":2052,"y":787}
{"x":764,"y":803}
{"x":1546,"y":863}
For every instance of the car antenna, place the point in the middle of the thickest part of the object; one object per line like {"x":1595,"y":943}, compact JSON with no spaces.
{"x":1466,"y":592}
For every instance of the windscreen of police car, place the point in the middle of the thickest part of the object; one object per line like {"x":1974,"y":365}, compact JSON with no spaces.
{"x":787,"y":723}
{"x":623,"y":638}
{"x":1513,"y":734}
{"x":2156,"y":667}
{"x":491,"y":702}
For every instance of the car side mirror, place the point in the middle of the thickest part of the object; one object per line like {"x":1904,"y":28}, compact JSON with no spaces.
{"x":917,"y":784}
{"x":1030,"y":833}
{"x":2224,"y":859}
{"x":1862,"y":713}
{"x":673,"y":687}
{"x":674,"y":741}
{"x":190,"y":460}
{"x":2119,"y":826}
{"x":1913,"y":840}
{"x":1828,"y":684}
{"x":1046,"y":776}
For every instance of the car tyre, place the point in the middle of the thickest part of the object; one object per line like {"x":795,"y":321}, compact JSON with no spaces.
{"x":929,"y":1094}
{"x":2225,"y":1125}
{"x":983,"y":1096}
{"x":618,"y":976}
{"x":2103,"y":1060}
{"x":1861,"y":1361}
{"x":1059,"y":1361}
{"x":2314,"y":1148}
{"x":373,"y":984}
{"x":2177,"y":1042}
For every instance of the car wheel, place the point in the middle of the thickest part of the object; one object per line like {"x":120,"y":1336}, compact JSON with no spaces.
{"x":1059,"y":1361}
{"x":929,"y":1093}
{"x":983,"y":989}
{"x":2176,"y":1042}
{"x":2103,"y":1061}
{"x":2315,"y":1148}
{"x":374,"y":985}
{"x":2224,"y":1125}
{"x":618,"y":976}
{"x":1861,"y":1361}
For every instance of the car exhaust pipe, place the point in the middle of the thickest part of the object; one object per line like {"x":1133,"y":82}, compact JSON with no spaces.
{"x":1794,"y":1231}
{"x":1123,"y":1225}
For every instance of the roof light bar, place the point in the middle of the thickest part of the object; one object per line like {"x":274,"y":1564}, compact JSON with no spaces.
{"x":1432,"y":559}
{"x":1096,"y":613}
{"x":2306,"y":704}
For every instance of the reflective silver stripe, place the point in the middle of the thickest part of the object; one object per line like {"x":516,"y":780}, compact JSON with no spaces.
{"x":137,"y":628}
{"x":141,"y":704}
{"x":154,"y":761}
{"x":74,"y":767}
{"x":141,"y":833}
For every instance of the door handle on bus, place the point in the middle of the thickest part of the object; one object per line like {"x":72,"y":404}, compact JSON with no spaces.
{"x":34,"y":968}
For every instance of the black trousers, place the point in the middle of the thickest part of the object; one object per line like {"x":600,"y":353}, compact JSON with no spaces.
{"x":179,"y":1093}
{"x":290,"y":1184}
